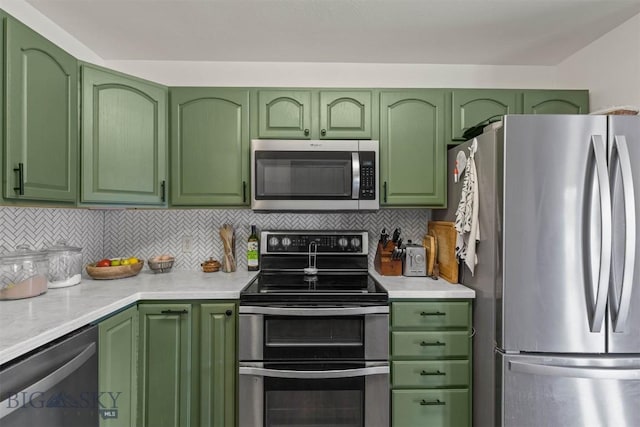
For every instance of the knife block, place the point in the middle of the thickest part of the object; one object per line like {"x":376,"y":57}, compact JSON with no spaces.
{"x":384,"y":264}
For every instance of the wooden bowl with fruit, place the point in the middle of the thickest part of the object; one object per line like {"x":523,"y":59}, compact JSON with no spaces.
{"x":114,"y":268}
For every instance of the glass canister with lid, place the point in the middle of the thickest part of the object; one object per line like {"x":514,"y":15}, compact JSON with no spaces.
{"x":23,"y":273}
{"x":65,"y":265}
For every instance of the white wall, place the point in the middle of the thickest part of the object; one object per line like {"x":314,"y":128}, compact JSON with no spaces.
{"x":609,"y":67}
{"x":185,"y":73}
{"x":28,"y":15}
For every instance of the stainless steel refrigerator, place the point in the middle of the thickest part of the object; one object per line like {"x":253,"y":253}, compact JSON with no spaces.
{"x":557,"y":309}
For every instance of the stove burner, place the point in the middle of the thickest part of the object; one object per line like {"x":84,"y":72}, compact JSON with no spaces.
{"x":313,"y":270}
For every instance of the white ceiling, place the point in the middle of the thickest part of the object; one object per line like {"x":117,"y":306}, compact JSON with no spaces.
{"x":515,"y":32}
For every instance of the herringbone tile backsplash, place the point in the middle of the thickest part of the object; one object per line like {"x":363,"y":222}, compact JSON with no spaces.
{"x":145,"y":233}
{"x":37,"y":227}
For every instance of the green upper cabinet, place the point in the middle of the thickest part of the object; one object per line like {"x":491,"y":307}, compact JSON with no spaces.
{"x":118,"y":368}
{"x":217,"y":364}
{"x":41,"y":145}
{"x":165,"y":339}
{"x":124,"y":139}
{"x":556,"y":102}
{"x":314,"y":114}
{"x":209,"y":146}
{"x":284,"y":114}
{"x":345,"y":114}
{"x":412,"y":148}
{"x":472,"y":106}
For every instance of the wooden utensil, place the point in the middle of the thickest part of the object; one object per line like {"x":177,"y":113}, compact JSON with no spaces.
{"x":228,"y":237}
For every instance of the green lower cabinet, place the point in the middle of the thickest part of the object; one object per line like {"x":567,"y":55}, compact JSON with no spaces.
{"x":430,"y":374}
{"x":443,"y":408}
{"x":430,"y":344}
{"x":431,"y":378}
{"x":165,"y":339}
{"x":117,"y":367}
{"x":217,"y":364}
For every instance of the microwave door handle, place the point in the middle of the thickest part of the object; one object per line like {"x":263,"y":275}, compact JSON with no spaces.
{"x":314,"y":375}
{"x":355,"y":174}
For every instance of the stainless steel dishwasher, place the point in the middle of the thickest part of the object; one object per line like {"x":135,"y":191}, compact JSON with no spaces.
{"x":57,"y":385}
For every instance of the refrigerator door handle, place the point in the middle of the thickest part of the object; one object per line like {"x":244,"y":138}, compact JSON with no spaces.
{"x":632,"y":374}
{"x":620,"y":320}
{"x":600,"y":153}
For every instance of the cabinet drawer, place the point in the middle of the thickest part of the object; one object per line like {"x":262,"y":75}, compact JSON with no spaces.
{"x":430,"y":344}
{"x":430,"y":315}
{"x":441,"y":408}
{"x":430,"y":374}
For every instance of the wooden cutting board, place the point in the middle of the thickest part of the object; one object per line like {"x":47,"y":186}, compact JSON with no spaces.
{"x":446,"y":235}
{"x":429,"y":243}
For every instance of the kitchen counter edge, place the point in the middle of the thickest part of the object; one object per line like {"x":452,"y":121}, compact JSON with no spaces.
{"x":61,"y":311}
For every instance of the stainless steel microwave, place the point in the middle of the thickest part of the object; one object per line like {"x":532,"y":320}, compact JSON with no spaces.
{"x":312,"y":175}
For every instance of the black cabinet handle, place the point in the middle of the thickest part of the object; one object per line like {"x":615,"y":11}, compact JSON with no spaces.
{"x":432,"y":313}
{"x":385,"y":191}
{"x":431,"y":344}
{"x":228,"y":312}
{"x":423,"y":373}
{"x":244,"y":191}
{"x":437,"y":402}
{"x":323,"y":132}
{"x":20,"y":187}
{"x":306,"y":132}
{"x":174,"y":312}
{"x":163,"y":187}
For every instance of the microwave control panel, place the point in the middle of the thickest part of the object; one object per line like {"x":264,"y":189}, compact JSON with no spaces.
{"x":367,"y":175}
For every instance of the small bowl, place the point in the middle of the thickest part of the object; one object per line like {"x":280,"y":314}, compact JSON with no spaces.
{"x":163,"y":266}
{"x":115,"y":272}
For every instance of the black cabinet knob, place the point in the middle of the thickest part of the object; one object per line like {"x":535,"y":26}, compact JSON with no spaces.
{"x":228,"y":312}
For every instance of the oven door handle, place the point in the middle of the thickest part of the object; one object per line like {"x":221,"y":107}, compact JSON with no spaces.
{"x":316,"y":311}
{"x":314,"y":375}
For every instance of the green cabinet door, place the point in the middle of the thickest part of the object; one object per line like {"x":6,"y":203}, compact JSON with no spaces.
{"x":117,"y":368}
{"x":438,"y":408}
{"x":284,"y":114}
{"x":41,"y":149}
{"x":345,"y":114}
{"x":164,"y":365}
{"x":124,"y":139}
{"x":209,"y":147}
{"x":412,"y":148}
{"x":556,"y":102}
{"x":472,"y":106}
{"x":217,"y":364}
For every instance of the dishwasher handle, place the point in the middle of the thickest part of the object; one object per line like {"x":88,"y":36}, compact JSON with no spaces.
{"x":52,"y":379}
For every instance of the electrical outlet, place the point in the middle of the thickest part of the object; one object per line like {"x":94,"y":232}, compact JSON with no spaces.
{"x":187,"y":244}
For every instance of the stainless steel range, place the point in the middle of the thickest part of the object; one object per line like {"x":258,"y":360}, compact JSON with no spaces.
{"x":314,"y":334}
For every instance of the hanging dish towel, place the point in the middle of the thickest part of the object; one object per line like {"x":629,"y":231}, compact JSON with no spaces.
{"x":467,"y":224}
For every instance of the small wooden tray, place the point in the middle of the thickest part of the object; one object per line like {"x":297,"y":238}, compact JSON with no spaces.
{"x":115,"y":272}
{"x":446,"y":236}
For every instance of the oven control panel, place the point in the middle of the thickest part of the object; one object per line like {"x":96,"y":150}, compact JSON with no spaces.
{"x":353,"y":242}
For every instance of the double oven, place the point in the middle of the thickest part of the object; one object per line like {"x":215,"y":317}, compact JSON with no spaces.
{"x":313,"y":346}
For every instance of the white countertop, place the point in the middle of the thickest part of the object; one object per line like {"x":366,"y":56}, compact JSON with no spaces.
{"x":401,"y":287}
{"x":29,"y":323}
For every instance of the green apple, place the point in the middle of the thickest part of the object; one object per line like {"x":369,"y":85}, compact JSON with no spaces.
{"x":115,"y":262}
